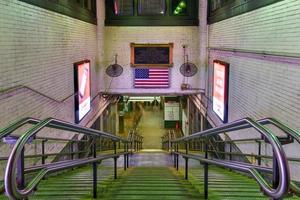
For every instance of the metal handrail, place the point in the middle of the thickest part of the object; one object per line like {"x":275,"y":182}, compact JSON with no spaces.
{"x":28,"y":120}
{"x":6,"y":131}
{"x":12,"y":127}
{"x":10,"y":176}
{"x":291,"y":132}
{"x":286,"y":129}
{"x":283,"y":168}
{"x":15,"y":125}
{"x":251,"y":155}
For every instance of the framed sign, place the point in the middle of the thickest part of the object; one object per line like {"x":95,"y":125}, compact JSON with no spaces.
{"x":151,"y":55}
{"x":171,"y":112}
{"x":82,"y":85}
{"x":220,"y":89}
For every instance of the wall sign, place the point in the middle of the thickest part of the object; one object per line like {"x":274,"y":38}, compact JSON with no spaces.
{"x":171,"y":111}
{"x":152,"y":55}
{"x":220,"y":89}
{"x":82,"y":74}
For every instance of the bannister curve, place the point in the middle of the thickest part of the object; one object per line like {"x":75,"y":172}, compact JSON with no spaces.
{"x":10,"y":176}
{"x":17,"y":124}
{"x":288,"y":130}
{"x":284,"y":175}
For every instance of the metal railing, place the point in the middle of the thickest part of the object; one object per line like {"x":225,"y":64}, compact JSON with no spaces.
{"x":15,"y":184}
{"x":166,"y":140}
{"x":168,"y":137}
{"x":281,"y":175}
{"x":136,"y":141}
{"x":7,"y":134}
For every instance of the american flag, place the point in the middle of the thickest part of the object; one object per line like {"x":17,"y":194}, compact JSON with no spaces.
{"x":151,"y":77}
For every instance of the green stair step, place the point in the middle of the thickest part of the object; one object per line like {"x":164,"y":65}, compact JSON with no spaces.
{"x":151,"y":192}
{"x":72,"y":185}
{"x":148,"y":183}
{"x":143,"y":184}
{"x":226,"y":184}
{"x":147,"y":197}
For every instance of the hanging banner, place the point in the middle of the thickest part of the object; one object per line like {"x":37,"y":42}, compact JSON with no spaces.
{"x":82,"y":89}
{"x":220,"y":89}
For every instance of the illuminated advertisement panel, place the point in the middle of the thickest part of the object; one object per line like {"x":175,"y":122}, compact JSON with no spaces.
{"x":220,"y":89}
{"x":82,"y":89}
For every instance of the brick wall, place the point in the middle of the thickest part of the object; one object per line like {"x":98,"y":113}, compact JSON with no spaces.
{"x":261,"y":85}
{"x":37,"y":50}
{"x":118,"y":39}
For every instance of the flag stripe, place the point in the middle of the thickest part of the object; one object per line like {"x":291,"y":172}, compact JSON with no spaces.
{"x":151,"y":77}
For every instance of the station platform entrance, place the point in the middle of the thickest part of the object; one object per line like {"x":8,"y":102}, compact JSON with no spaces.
{"x":150,"y":162}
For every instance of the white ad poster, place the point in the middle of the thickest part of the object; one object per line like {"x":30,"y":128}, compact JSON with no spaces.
{"x":220,"y":90}
{"x":82,"y":87}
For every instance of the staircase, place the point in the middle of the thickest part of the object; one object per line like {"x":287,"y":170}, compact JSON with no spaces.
{"x":225,"y":184}
{"x":148,"y":183}
{"x":72,"y":185}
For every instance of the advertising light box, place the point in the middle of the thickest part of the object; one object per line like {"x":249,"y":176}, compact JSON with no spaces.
{"x":220,"y":89}
{"x":82,"y":89}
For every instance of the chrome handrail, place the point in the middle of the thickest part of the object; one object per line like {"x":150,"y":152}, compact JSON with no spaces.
{"x":15,"y":125}
{"x":10,"y":176}
{"x":289,"y":131}
{"x":283,"y":168}
{"x":12,"y":127}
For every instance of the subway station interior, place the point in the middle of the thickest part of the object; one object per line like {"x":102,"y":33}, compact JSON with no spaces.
{"x":150,"y":99}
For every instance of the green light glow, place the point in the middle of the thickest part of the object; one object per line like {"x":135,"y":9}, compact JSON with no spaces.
{"x":180,"y":7}
{"x":182,"y":4}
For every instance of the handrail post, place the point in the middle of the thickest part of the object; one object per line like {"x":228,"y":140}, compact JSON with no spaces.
{"x":169,"y":141}
{"x":186,"y":160}
{"x":71,"y":150}
{"x":20,"y":171}
{"x":206,"y":172}
{"x":174,"y":152}
{"x":140,"y":139}
{"x":275,"y":179}
{"x":115,"y":160}
{"x":230,"y":150}
{"x":132,"y":141}
{"x":127,"y":159}
{"x":43,"y":152}
{"x":259,"y":153}
{"x":125,"y":156}
{"x":94,"y":169}
{"x":177,"y":157}
{"x":135,"y":143}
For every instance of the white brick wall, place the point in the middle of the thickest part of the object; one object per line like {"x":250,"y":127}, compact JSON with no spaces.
{"x":37,"y":50}
{"x":272,"y":28}
{"x":118,"y":39}
{"x":262,"y":86}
